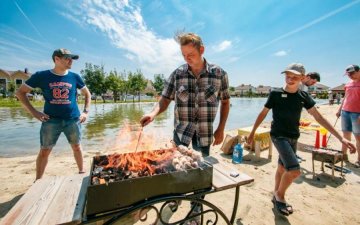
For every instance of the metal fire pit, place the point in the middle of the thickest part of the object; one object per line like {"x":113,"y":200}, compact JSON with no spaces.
{"x":103,"y":198}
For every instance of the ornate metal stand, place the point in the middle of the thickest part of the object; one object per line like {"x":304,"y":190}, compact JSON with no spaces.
{"x":173,"y":203}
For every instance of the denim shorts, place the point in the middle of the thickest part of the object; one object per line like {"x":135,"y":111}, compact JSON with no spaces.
{"x":205,"y":150}
{"x":349,"y":122}
{"x":287,"y":152}
{"x":51,"y":130}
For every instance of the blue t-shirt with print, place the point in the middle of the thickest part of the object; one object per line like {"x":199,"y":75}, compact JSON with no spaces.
{"x":59,"y":91}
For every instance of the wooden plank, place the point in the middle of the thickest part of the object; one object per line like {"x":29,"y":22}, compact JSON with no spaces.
{"x":50,"y":200}
{"x":221,"y":182}
{"x":226,"y":169}
{"x":33,"y":205}
{"x":64,"y":204}
{"x":221,"y":175}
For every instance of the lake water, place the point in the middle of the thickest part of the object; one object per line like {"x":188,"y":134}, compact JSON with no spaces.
{"x":19,"y":132}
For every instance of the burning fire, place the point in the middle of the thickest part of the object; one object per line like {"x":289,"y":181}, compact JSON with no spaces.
{"x":147,"y":163}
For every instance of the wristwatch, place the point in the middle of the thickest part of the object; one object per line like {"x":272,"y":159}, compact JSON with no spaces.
{"x":85,"y":111}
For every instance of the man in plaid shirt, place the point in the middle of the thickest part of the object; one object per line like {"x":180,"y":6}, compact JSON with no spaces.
{"x":197,"y":87}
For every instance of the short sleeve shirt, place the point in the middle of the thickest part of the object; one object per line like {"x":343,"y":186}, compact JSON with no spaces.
{"x":286,"y":108}
{"x":196,"y":100}
{"x":352,"y":97}
{"x":59,"y":91}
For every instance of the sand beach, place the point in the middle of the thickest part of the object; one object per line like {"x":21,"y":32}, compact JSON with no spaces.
{"x":315,"y":201}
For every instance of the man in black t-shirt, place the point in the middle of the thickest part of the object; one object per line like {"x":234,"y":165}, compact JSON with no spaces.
{"x":287,"y":104}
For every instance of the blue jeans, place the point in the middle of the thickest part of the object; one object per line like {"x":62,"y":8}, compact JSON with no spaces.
{"x":349,"y":122}
{"x":205,"y":150}
{"x":287,"y":152}
{"x":51,"y":130}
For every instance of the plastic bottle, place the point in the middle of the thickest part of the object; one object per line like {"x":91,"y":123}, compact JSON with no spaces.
{"x":237,"y":154}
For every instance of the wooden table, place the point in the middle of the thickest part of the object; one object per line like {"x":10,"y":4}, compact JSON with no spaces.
{"x":329,"y":156}
{"x":262,"y":140}
{"x":61,"y":200}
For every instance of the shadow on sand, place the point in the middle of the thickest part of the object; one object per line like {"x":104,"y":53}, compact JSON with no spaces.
{"x":6,"y":206}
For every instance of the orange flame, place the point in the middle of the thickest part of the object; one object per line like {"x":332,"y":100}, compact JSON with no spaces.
{"x":128,"y":137}
{"x":148,"y":161}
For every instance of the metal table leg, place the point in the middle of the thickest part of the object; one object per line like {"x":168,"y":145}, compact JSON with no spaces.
{"x":236,"y":203}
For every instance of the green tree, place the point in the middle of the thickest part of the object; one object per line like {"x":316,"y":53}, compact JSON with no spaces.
{"x":11,"y":89}
{"x":94,"y":78}
{"x":136,"y":83}
{"x":116,"y":83}
{"x":232,"y":89}
{"x":159,"y":82}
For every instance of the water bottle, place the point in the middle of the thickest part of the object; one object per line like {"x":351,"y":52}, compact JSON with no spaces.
{"x":237,"y":154}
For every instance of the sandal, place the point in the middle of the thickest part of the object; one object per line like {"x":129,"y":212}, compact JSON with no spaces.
{"x":357,"y":164}
{"x":289,"y":208}
{"x":281,"y":207}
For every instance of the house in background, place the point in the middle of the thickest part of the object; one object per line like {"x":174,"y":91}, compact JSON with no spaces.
{"x":318,"y":88}
{"x":263,"y":90}
{"x":18,"y":77}
{"x":244,"y":90}
{"x":339,"y":89}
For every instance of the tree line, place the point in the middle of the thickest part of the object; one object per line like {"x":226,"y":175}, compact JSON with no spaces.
{"x":120,"y":84}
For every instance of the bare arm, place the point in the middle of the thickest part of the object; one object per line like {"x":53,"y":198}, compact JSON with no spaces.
{"x":224,"y":113}
{"x":160,"y":107}
{"x":338,"y":113}
{"x":323,"y":122}
{"x":258,"y":121}
{"x":85,"y":91}
{"x":21,"y":95}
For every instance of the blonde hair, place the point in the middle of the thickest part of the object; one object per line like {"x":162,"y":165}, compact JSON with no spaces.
{"x":189,"y":38}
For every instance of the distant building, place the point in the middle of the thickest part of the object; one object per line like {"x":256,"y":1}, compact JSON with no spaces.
{"x":18,"y":77}
{"x":339,"y":89}
{"x":263,"y":90}
{"x":318,"y":88}
{"x":244,"y":89}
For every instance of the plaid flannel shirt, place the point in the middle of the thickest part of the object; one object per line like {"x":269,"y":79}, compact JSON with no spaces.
{"x":196,"y":100}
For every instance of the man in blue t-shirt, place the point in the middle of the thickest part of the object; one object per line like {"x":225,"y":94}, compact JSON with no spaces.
{"x":61,"y":113}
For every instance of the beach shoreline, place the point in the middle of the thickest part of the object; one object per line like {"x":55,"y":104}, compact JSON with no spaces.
{"x":315,"y":201}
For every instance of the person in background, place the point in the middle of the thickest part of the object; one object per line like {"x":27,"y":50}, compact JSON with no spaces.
{"x":350,"y":110}
{"x":338,"y":98}
{"x":309,"y":80}
{"x":286,"y":104}
{"x":61,"y":113}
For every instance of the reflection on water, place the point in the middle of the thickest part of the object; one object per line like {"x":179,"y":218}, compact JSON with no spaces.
{"x":19,"y":132}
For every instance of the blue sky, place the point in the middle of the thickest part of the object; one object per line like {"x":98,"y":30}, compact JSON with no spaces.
{"x":252,"y":40}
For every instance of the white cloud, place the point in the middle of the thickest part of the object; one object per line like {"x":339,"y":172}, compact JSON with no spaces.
{"x":280,"y":53}
{"x":123,"y":24}
{"x":222,"y":46}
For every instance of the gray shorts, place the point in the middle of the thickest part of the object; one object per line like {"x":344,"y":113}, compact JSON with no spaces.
{"x":51,"y":130}
{"x":287,"y":152}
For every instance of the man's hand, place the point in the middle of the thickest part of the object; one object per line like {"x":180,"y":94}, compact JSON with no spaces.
{"x":146,"y":119}
{"x":41,"y":116}
{"x":349,"y":145}
{"x":250,"y":138}
{"x":83,"y":117}
{"x":219,"y":136}
{"x":338,"y":113}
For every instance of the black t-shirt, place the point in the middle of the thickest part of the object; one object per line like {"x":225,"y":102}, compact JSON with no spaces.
{"x":286,"y":109}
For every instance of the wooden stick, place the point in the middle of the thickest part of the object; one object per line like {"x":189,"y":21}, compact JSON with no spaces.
{"x":138,"y":141}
